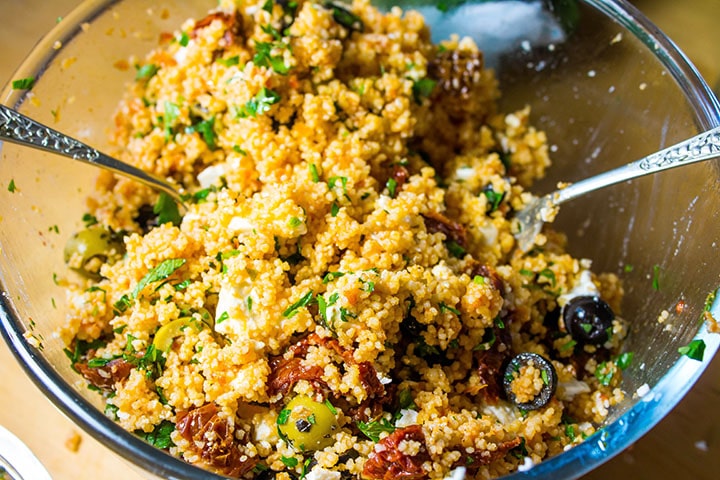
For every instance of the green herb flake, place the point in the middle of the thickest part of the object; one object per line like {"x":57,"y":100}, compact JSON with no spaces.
{"x":604,"y":373}
{"x":330,"y":276}
{"x":544,"y":376}
{"x":569,"y":345}
{"x":283,"y":416}
{"x":239,"y":150}
{"x":345,"y":17}
{"x":694,"y":350}
{"x":656,"y":278}
{"x":264,"y":58}
{"x":447,"y":308}
{"x":161,"y":272}
{"x":206,"y":128}
{"x":570,"y":432}
{"x":479,"y":280}
{"x":184,"y":39}
{"x":549,"y":274}
{"x":628,"y":268}
{"x":624,"y":360}
{"x":373,"y":429}
{"x":334,"y":209}
{"x":89,"y":220}
{"x":391,"y":186}
{"x":11,"y":186}
{"x":160,"y":436}
{"x":167,"y":210}
{"x":249,"y":303}
{"x":331,"y":407}
{"x":422,"y":89}
{"x":171,"y":112}
{"x":295,"y":222}
{"x":291,"y":462}
{"x":259,"y":104}
{"x":304,"y":301}
{"x":223,"y":316}
{"x":405,"y":400}
{"x":146,"y":72}
{"x":268,"y":6}
{"x":314,"y":173}
{"x":455,"y":249}
{"x":23,"y":83}
{"x":494,"y":199}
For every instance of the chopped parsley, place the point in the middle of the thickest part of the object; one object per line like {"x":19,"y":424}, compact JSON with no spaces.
{"x":264,"y":58}
{"x":11,"y":186}
{"x":331,"y":407}
{"x":493,"y":198}
{"x":391,"y":185}
{"x":295,"y":222}
{"x":89,"y":220}
{"x":146,"y":72}
{"x":161,"y":272}
{"x":345,"y":17}
{"x":291,"y":462}
{"x":160,"y":436}
{"x":549,"y":274}
{"x":229,"y":62}
{"x":455,"y":249}
{"x":23,"y":83}
{"x":694,"y":350}
{"x":304,"y":301}
{"x":167,"y":210}
{"x":624,"y":360}
{"x":447,"y":308}
{"x":604,"y":373}
{"x":206,"y":128}
{"x":171,"y":112}
{"x":268,"y":6}
{"x":223,"y":316}
{"x":422,"y":89}
{"x":184,"y":39}
{"x":479,"y":280}
{"x":405,"y":400}
{"x":373,"y":429}
{"x":283,"y":416}
{"x":259,"y":104}
{"x":334,"y":209}
{"x":314,"y":173}
{"x":330,"y":276}
{"x":656,"y":278}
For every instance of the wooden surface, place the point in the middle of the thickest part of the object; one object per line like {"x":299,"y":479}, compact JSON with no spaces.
{"x":685,"y":445}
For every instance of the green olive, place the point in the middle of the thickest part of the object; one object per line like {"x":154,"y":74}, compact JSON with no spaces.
{"x":307,"y":424}
{"x":165,"y":335}
{"x":87,"y":250}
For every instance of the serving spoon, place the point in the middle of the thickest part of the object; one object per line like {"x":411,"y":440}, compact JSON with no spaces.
{"x":530,"y":219}
{"x":17,"y":128}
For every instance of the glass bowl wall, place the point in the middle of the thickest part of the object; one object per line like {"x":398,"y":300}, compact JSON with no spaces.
{"x":604,"y":84}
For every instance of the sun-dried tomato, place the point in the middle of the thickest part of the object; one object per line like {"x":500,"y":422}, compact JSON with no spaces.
{"x":387,"y":462}
{"x":233,"y":25}
{"x":105,"y":376}
{"x":437,"y":222}
{"x":213,"y":439}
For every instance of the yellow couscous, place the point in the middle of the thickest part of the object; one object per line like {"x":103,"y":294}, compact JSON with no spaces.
{"x":344,"y":296}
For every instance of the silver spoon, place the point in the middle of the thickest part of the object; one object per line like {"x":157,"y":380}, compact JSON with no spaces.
{"x":531,"y":218}
{"x":17,"y":128}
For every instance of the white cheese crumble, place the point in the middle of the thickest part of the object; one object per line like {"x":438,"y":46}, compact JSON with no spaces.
{"x":240,"y":225}
{"x":568,"y":390}
{"x":505,"y":414}
{"x":320,"y":473}
{"x":211,"y":175}
{"x":643,"y":390}
{"x":407,"y":417}
{"x":585,"y":286}
{"x":457,"y":474}
{"x":526,"y":465}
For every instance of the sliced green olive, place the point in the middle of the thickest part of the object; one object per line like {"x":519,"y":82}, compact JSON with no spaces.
{"x":307,"y":424}
{"x":167,"y":333}
{"x":87,"y":250}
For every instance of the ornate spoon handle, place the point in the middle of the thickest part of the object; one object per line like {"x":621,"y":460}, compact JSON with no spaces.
{"x":699,"y":148}
{"x":530,"y":219}
{"x":17,"y":128}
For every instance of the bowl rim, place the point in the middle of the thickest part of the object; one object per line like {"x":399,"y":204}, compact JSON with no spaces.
{"x":594,"y":451}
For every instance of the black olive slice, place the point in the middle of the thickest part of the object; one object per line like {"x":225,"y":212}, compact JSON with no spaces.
{"x":547,"y":373}
{"x":588,"y":319}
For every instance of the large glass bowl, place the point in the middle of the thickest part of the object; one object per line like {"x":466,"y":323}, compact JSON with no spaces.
{"x":602,"y":81}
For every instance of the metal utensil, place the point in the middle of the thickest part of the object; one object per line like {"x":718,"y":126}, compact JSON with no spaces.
{"x":530,"y":219}
{"x":17,"y":461}
{"x":17,"y":128}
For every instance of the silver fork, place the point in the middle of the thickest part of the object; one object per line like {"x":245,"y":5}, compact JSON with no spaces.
{"x":17,"y":128}
{"x":530,"y":219}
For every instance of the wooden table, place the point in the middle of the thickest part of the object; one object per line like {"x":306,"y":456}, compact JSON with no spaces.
{"x":685,"y":445}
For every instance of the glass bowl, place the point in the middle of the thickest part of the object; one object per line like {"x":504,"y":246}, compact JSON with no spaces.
{"x":603,"y":82}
